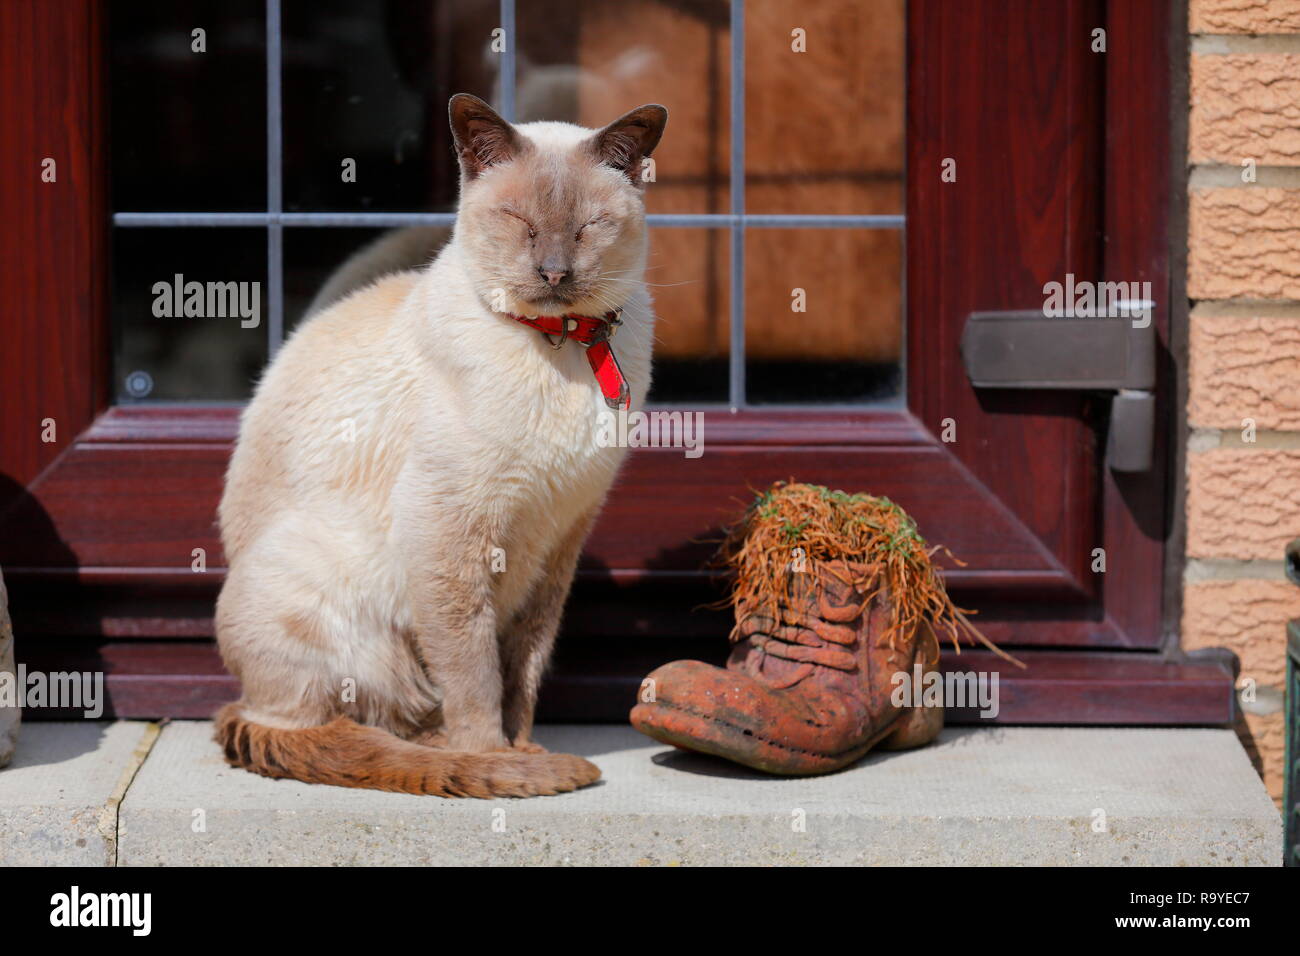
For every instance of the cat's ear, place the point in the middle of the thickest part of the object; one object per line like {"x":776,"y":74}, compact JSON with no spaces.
{"x":628,"y":140}
{"x":481,"y":136}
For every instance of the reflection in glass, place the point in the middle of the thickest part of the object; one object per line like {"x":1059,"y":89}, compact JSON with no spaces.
{"x":590,"y":61}
{"x":188,"y":125}
{"x":687,"y":271}
{"x":824,"y":107}
{"x":189,"y":313}
{"x":823,"y":315}
{"x":366,"y":85}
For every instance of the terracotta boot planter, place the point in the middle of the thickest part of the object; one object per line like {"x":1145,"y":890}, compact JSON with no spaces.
{"x":808,"y":693}
{"x":835,"y":597}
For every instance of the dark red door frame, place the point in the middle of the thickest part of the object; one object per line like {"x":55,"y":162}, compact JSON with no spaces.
{"x":98,"y":528}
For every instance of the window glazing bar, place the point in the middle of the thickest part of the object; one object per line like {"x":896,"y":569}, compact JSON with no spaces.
{"x":274,"y":183}
{"x":393,"y":220}
{"x":737,"y":321}
{"x":508,"y":61}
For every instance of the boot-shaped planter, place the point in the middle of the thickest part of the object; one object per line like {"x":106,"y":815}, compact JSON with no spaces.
{"x":808,"y":693}
{"x":835,"y":600}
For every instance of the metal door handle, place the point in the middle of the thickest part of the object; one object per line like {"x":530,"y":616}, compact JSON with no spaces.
{"x":1115,"y":354}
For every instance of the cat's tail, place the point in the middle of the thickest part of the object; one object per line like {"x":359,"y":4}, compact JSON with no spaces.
{"x":347,"y":754}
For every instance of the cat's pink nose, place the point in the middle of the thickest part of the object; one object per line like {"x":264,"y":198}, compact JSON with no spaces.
{"x":553,"y":278}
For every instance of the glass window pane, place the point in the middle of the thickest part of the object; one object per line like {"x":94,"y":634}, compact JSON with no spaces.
{"x":688,"y":273}
{"x":188,"y":127}
{"x":590,"y":61}
{"x":823,"y":317}
{"x":321,"y":265}
{"x":189,"y":313}
{"x":824,"y":127}
{"x":369,"y":82}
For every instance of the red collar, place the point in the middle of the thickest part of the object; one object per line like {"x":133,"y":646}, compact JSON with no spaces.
{"x":594,"y":332}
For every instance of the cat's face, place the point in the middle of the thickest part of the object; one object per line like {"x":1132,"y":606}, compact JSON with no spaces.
{"x":552,"y":216}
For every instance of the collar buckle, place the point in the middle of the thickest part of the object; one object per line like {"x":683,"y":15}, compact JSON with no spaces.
{"x":608,"y":328}
{"x":567,"y":325}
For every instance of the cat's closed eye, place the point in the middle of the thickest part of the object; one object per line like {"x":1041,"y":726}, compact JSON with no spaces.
{"x":593,"y":221}
{"x":532,"y":230}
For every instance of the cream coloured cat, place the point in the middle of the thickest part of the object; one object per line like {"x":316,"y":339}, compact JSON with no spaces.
{"x":405,"y":444}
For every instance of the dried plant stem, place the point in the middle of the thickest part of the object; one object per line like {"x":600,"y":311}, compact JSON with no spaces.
{"x":827,"y":526}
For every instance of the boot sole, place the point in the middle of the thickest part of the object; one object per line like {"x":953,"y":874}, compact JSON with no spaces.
{"x":803,"y":763}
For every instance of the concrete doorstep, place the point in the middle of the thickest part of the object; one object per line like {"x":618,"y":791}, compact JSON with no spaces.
{"x":128,"y":794}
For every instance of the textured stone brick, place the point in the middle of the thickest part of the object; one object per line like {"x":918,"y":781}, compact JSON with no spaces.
{"x":1244,"y":367}
{"x":1244,"y":16}
{"x":1242,"y":503}
{"x":1244,"y":243}
{"x":1245,"y":616}
{"x":1245,"y":106}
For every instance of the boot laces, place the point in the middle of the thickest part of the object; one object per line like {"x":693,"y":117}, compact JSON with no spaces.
{"x":800,"y":638}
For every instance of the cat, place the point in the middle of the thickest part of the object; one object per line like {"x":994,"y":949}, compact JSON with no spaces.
{"x":418,"y":469}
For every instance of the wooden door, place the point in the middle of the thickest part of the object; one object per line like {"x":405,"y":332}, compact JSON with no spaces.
{"x":1061,"y":167}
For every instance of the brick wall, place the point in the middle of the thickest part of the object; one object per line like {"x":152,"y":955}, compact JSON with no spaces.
{"x":1243,"y":409}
